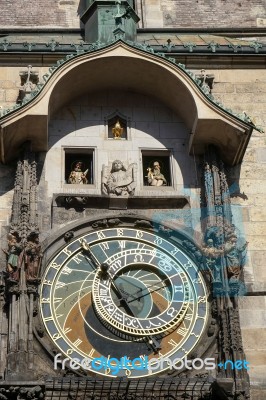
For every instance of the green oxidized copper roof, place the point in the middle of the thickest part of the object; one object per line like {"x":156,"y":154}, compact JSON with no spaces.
{"x":198,"y":40}
{"x":185,"y":42}
{"x":146,"y":47}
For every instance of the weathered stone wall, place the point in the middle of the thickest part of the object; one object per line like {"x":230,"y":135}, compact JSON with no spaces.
{"x":203,"y":14}
{"x":41,"y":13}
{"x":9,"y":86}
{"x":10,"y":83}
{"x":156,"y":13}
{"x":212,"y":13}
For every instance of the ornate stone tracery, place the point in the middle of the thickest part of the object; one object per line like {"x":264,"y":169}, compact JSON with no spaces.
{"x":23,"y":256}
{"x":24,"y":211}
{"x":225,"y":256}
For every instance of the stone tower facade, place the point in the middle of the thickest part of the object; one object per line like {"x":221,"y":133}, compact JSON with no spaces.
{"x":132,"y":143}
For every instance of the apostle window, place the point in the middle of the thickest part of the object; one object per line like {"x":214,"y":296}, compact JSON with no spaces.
{"x":156,"y":168}
{"x":79,"y":166}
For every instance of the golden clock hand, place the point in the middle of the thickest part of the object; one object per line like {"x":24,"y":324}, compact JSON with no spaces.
{"x":104,"y":269}
{"x":86,"y":248}
{"x":121,"y":296}
{"x":155,"y":345}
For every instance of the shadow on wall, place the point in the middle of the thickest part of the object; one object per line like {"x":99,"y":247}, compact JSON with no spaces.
{"x":233,"y":176}
{"x":82,"y":7}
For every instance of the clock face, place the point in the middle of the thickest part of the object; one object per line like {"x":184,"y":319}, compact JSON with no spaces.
{"x":116,"y":295}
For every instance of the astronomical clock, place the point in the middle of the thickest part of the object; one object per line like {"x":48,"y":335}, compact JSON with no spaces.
{"x":124,"y":300}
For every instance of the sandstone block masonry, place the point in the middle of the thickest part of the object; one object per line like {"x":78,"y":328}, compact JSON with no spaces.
{"x":153,"y":13}
{"x":202,"y":13}
{"x":246,"y":91}
{"x":48,"y":13}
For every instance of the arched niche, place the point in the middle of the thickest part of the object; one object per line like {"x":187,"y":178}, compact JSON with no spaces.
{"x":122,"y":66}
{"x":112,"y":123}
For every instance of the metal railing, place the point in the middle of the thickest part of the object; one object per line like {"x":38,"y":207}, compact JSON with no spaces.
{"x":125,"y":389}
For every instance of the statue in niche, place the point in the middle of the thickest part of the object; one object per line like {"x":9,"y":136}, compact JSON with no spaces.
{"x":211,"y":251}
{"x":234,"y":257}
{"x":32,"y":257}
{"x":119,"y":181}
{"x":12,"y":253}
{"x":213,"y":254}
{"x":77,"y":176}
{"x":155,"y":177}
{"x":117,"y":130}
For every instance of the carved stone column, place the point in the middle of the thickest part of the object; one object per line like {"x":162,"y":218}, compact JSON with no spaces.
{"x":22,"y":275}
{"x":224,"y":256}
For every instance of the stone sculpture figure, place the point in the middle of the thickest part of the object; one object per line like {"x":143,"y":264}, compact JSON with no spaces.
{"x":32,"y":257}
{"x":12,"y":254}
{"x":213,"y":254}
{"x":77,"y":176}
{"x":155,"y":177}
{"x":211,"y":251}
{"x":234,"y":257}
{"x":119,"y":181}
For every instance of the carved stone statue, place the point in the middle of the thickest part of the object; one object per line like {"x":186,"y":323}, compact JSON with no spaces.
{"x":210,"y":251}
{"x":32,"y":258}
{"x":155,"y":177}
{"x":234,"y":257}
{"x":119,"y":181}
{"x":212,"y":255}
{"x":77,"y":176}
{"x":12,"y":254}
{"x":117,"y":130}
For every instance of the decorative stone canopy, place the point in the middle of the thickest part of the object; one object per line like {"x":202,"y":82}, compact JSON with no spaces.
{"x":124,"y":66}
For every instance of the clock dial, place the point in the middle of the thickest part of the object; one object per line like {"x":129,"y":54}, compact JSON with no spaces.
{"x":123,"y":292}
{"x":161,"y":278}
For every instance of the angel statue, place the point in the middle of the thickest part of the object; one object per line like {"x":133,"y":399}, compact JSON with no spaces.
{"x":119,"y":181}
{"x":117,"y":130}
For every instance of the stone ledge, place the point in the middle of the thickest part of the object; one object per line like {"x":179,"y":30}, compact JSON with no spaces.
{"x":137,"y":202}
